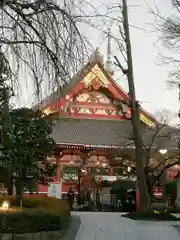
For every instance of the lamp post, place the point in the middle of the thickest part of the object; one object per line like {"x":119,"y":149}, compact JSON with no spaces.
{"x":163,"y":152}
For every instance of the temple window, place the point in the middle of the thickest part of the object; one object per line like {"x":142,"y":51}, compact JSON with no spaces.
{"x":118,"y":171}
{"x":70,"y":173}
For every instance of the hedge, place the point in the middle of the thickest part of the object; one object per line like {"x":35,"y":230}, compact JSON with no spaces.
{"x":52,"y":205}
{"x":28,"y":221}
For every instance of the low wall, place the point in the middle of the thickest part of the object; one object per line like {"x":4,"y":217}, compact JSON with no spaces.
{"x":51,"y":235}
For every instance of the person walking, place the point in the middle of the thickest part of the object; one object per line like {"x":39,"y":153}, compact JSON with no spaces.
{"x":82,"y":198}
{"x":70,"y":196}
{"x":98,"y":200}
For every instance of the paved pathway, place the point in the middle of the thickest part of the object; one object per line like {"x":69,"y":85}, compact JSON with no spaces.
{"x":111,"y":226}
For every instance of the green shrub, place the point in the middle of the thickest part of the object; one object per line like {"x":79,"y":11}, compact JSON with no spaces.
{"x":30,"y":221}
{"x":52,"y":205}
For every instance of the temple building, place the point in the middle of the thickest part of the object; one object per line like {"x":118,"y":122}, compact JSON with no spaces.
{"x":92,"y":130}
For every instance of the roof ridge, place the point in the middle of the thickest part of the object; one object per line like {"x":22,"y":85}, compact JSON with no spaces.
{"x":89,"y":119}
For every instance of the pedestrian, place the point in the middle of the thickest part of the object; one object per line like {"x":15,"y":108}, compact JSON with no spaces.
{"x":89,"y":200}
{"x":98,"y":200}
{"x":70,"y":196}
{"x":82,"y":198}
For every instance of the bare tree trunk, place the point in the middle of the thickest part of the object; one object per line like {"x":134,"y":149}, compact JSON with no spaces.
{"x":21,"y":192}
{"x":149,"y":183}
{"x":140,"y":154}
{"x":79,"y":186}
{"x":20,"y":186}
{"x":9,"y":185}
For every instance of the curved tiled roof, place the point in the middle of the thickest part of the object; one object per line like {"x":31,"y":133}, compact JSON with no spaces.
{"x":92,"y":132}
{"x":110,"y":133}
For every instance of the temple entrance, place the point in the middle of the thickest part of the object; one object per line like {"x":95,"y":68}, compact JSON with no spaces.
{"x":95,"y":191}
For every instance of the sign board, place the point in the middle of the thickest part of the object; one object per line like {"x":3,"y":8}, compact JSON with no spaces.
{"x":55,"y":190}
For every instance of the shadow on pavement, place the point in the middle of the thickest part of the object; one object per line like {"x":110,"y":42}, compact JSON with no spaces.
{"x":177,"y":227}
{"x":72,"y":229}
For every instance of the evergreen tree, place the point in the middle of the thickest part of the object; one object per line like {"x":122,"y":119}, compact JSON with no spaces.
{"x":29,"y":142}
{"x":5,"y":93}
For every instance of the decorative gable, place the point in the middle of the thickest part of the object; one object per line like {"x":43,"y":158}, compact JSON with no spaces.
{"x":85,"y":97}
{"x":96,"y":78}
{"x":93,"y":104}
{"x":93,"y":98}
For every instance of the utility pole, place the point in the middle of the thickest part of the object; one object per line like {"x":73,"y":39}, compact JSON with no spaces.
{"x":135,"y":115}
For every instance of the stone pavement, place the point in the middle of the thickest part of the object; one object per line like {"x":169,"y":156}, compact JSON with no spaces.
{"x":111,"y":226}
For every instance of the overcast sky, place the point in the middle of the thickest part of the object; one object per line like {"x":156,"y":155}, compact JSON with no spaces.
{"x":150,"y":76}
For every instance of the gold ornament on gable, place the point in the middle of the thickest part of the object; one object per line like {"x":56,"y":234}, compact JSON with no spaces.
{"x":98,"y":74}
{"x":146,"y":120}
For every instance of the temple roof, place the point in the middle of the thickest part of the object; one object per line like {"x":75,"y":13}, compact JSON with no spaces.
{"x":54,"y":99}
{"x":110,"y":134}
{"x":91,"y":132}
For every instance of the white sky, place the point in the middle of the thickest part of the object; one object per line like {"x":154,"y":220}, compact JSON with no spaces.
{"x":150,"y":77}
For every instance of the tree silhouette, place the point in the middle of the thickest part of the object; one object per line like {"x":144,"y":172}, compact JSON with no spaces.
{"x":41,"y":38}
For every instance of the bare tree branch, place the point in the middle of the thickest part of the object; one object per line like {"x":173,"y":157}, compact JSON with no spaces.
{"x":169,"y":29}
{"x":46,"y":36}
{"x":118,"y":64}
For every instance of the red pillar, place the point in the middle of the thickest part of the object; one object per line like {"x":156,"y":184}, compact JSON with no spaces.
{"x":137,"y":197}
{"x":110,"y":171}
